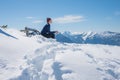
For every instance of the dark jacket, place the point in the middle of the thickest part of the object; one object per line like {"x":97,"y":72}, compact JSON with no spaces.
{"x":46,"y":30}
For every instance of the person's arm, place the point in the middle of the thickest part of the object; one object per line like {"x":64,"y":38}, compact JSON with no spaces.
{"x":53,"y":31}
{"x":49,"y":31}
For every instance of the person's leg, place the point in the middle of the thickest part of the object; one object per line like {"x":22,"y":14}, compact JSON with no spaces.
{"x":45,"y":35}
{"x":52,"y":35}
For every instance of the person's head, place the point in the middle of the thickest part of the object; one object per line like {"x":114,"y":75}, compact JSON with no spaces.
{"x":49,"y":20}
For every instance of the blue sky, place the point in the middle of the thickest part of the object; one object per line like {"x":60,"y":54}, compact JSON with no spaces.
{"x":67,"y":15}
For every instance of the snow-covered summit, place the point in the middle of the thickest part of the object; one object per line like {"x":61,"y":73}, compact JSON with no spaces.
{"x":38,"y":58}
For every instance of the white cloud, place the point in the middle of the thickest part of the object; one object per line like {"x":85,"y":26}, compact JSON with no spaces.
{"x":69,"y":19}
{"x":37,"y":21}
{"x":30,"y":17}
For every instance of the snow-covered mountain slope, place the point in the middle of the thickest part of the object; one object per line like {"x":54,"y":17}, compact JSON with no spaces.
{"x":38,"y":58}
{"x":107,"y":37}
{"x":12,"y":51}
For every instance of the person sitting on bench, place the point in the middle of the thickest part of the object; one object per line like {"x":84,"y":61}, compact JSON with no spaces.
{"x":46,"y":30}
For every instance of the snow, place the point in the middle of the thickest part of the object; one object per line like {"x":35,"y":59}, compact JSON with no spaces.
{"x":38,"y":58}
{"x":89,"y":34}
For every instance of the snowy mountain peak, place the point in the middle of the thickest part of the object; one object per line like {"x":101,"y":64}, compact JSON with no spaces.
{"x":109,"y":33}
{"x":88,"y":34}
{"x":107,"y":37}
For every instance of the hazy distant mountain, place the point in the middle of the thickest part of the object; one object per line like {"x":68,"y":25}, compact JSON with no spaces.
{"x":107,"y":37}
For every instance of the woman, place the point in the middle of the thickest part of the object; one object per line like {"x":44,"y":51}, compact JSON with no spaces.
{"x":46,"y":30}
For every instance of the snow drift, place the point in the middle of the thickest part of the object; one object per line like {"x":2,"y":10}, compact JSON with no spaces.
{"x":38,"y":58}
